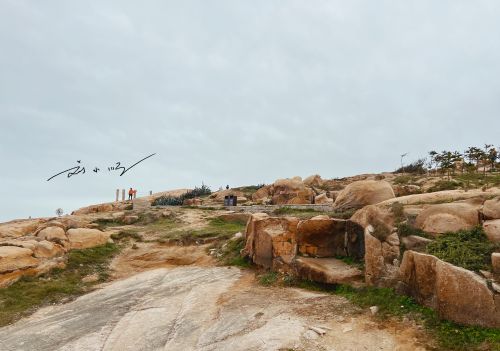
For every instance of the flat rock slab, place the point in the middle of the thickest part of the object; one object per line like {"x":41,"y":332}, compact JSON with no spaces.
{"x":328,"y":270}
{"x":203,"y":309}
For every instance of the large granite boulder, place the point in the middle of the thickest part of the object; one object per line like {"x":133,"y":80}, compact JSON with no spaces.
{"x":83,"y":238}
{"x":291,"y":191}
{"x":455,"y":293}
{"x":270,"y":237}
{"x":381,"y":258}
{"x":491,"y":208}
{"x":492,"y":230}
{"x":327,"y":270}
{"x":449,"y":217}
{"x":322,"y":199}
{"x":495,"y":262}
{"x":314,"y":181}
{"x":54,"y":234}
{"x":263,"y":194}
{"x":361,"y":193}
{"x":18,"y":228}
{"x":13,"y":258}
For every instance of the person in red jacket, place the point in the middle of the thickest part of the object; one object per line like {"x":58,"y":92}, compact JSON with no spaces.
{"x":130,"y":193}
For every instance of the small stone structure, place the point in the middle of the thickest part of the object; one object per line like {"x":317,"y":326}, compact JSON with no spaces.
{"x":305,"y":248}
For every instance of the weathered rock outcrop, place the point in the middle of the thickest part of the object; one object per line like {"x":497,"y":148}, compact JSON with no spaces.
{"x":291,"y":191}
{"x":107,"y":207}
{"x":495,"y":262}
{"x":83,"y":238}
{"x":54,"y":234}
{"x":285,"y":191}
{"x":415,"y":243}
{"x":366,"y":192}
{"x":13,"y":258}
{"x":322,"y":236}
{"x":455,"y":293}
{"x":491,"y":208}
{"x":130,"y":219}
{"x":270,"y":237}
{"x":323,"y":199}
{"x":381,"y":258}
{"x":314,"y":181}
{"x":450,"y":217}
{"x":327,"y":270}
{"x":492,"y":230}
{"x":18,"y":228}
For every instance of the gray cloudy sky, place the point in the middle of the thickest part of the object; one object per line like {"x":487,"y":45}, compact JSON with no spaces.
{"x":234,"y":92}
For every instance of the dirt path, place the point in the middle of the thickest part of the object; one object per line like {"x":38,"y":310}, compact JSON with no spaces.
{"x":201,"y":308}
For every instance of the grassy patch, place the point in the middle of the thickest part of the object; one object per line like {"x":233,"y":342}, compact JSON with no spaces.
{"x":469,"y":249}
{"x":216,"y":228}
{"x":268,"y":278}
{"x":104,"y":223}
{"x":230,"y":253}
{"x":404,"y":179}
{"x":477,"y":180}
{"x":444,"y":185}
{"x":127,"y":234}
{"x":26,"y":295}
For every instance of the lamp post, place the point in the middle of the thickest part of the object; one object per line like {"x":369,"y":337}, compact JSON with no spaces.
{"x":402,"y":156}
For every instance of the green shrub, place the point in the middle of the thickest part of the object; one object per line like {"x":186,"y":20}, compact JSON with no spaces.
{"x":230,"y":253}
{"x":444,"y":185}
{"x":469,"y":249}
{"x":167,"y":201}
{"x":178,"y":201}
{"x":416,"y":167}
{"x":398,"y":211}
{"x":268,"y":278}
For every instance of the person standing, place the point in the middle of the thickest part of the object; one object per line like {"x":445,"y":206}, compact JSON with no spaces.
{"x":130,"y":193}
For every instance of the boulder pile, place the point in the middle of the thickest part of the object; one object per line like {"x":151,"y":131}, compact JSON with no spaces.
{"x":34,"y":247}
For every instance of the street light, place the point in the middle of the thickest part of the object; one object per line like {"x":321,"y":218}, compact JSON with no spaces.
{"x":402,"y":156}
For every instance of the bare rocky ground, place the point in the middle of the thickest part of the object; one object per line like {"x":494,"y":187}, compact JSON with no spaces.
{"x":204,"y":308}
{"x":170,"y":297}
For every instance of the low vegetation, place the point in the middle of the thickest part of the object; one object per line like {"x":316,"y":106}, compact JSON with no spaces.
{"x":216,"y":228}
{"x":229,"y":253}
{"x":416,"y":167}
{"x":404,"y":229}
{"x":178,"y":201}
{"x":448,"y":335}
{"x":442,"y":185}
{"x":127,"y":233}
{"x":104,"y":223}
{"x":469,"y":249}
{"x":29,"y":293}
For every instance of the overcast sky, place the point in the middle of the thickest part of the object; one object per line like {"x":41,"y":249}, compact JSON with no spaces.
{"x":234,"y":92}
